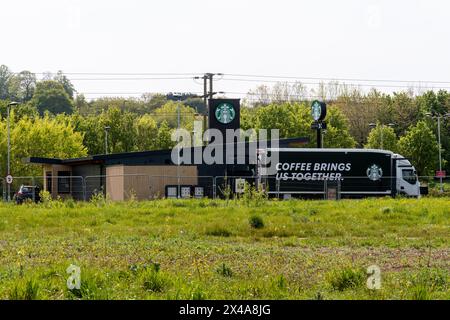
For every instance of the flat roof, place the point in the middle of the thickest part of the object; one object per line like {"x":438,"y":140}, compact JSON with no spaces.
{"x":115,"y":157}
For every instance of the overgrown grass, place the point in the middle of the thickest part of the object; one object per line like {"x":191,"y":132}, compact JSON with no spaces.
{"x":231,"y":249}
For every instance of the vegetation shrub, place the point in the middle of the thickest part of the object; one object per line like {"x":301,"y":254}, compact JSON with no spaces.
{"x":386,"y":210}
{"x":225,"y":271}
{"x":154,"y":281}
{"x":256,"y":222}
{"x":346,"y":278}
{"x":218,"y":231}
{"x":432,"y":279}
{"x":198,"y":294}
{"x":90,"y":289}
{"x":25,"y":291}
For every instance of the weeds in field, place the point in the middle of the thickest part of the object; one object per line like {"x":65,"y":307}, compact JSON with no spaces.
{"x":210,"y":249}
{"x":346,"y":278}
{"x":254,"y":196}
{"x":198,"y":294}
{"x":218,"y":231}
{"x":25,"y":290}
{"x":225,"y":271}
{"x":99,"y":199}
{"x":256,"y":222}
{"x":154,"y":281}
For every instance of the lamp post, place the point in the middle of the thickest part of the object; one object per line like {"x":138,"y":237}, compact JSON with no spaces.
{"x":438,"y":116}
{"x":8,"y":169}
{"x":106,"y":138}
{"x":373,"y":125}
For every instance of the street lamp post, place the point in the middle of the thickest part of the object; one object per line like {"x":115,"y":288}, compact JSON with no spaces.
{"x":106,"y":138}
{"x":438,"y":117}
{"x":8,"y":169}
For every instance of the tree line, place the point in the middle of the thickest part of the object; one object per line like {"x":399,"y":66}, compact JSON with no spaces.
{"x":53,"y":121}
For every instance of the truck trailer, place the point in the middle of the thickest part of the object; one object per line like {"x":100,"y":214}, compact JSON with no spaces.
{"x":355,"y":173}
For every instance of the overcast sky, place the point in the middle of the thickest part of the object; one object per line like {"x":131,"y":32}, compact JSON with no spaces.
{"x":406,"y":40}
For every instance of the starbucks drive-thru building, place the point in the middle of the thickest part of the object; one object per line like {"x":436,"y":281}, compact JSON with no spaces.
{"x":147,"y":174}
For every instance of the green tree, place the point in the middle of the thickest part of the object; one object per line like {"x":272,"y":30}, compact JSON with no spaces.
{"x":382,"y":137}
{"x":103,"y":104}
{"x":153,"y":101}
{"x":248,"y":118}
{"x":5,"y":76}
{"x":169,"y":113}
{"x":51,"y":96}
{"x":146,"y":133}
{"x":406,"y":112}
{"x":39,"y":137}
{"x":163,"y":138}
{"x":27,"y":85}
{"x":421,"y":147}
{"x":337,"y":134}
{"x":21,"y":110}
{"x":21,"y":86}
{"x":65,"y":82}
{"x":289,"y":119}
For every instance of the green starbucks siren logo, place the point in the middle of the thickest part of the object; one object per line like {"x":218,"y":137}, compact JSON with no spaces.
{"x":225,"y":113}
{"x":316,"y":110}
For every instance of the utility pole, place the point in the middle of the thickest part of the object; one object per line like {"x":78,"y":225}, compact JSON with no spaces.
{"x":8,"y":169}
{"x":106,"y":138}
{"x":207,"y":93}
{"x":178,"y":152}
{"x":441,"y":189}
{"x":210,"y":77}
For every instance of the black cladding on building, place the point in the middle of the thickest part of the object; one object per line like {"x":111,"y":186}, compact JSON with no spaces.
{"x":96,"y":164}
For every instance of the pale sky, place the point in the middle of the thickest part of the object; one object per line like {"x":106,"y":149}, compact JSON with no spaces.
{"x":401,"y":40}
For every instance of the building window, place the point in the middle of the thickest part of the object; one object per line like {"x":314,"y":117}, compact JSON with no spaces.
{"x":63,"y":181}
{"x":48,"y":176}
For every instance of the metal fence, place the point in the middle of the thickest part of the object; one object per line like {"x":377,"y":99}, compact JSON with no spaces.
{"x":147,"y":187}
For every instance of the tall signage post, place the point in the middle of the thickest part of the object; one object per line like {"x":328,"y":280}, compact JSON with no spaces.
{"x":224,"y":114}
{"x":318,"y":113}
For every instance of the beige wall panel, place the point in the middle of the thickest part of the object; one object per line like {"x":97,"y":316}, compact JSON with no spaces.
{"x":148,"y":182}
{"x":115,"y":182}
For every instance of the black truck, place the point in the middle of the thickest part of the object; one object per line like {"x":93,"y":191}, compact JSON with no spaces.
{"x":356,"y":173}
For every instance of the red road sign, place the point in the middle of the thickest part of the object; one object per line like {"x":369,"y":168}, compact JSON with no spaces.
{"x":440,"y":174}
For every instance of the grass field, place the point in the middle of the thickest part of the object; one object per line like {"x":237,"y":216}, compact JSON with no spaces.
{"x":218,"y":249}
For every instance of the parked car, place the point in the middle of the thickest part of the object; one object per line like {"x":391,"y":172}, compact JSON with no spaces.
{"x":26,"y":192}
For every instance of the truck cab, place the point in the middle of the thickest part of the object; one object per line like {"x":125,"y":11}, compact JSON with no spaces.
{"x":407,"y":182}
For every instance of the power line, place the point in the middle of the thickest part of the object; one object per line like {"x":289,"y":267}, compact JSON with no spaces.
{"x":192,"y":74}
{"x":128,"y":79}
{"x":319,"y":83}
{"x":334,"y":79}
{"x":118,"y":73}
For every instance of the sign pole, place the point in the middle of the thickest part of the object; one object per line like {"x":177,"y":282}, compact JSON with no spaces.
{"x":318,"y":113}
{"x":319,"y":135}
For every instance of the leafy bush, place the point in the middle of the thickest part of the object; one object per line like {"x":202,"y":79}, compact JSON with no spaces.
{"x":346,"y":278}
{"x":256,"y":222}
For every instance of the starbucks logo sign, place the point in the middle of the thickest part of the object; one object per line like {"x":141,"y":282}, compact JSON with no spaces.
{"x":318,"y":110}
{"x":225,"y":113}
{"x":374,"y":172}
